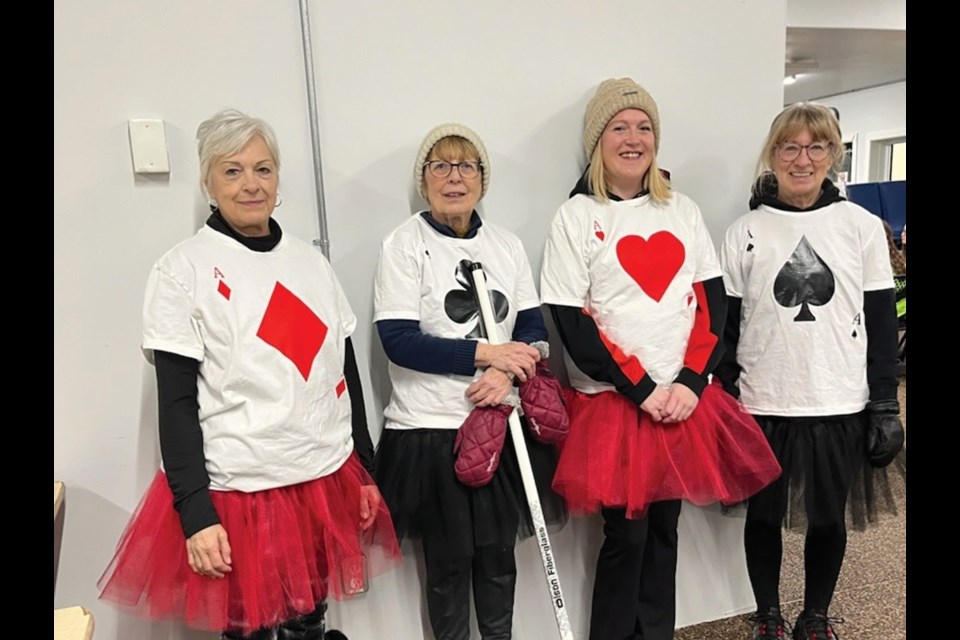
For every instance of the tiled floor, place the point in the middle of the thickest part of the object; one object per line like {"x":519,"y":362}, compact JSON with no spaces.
{"x":871,"y":596}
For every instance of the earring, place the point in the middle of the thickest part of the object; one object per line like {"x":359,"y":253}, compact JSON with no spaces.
{"x":212,"y":203}
{"x":279,"y":200}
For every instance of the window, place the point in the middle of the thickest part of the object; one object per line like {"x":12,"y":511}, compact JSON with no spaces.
{"x":898,"y":161}
{"x":888,"y":158}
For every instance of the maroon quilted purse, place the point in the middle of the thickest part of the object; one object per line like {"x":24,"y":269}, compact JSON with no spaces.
{"x":542,"y":401}
{"x":479,"y":444}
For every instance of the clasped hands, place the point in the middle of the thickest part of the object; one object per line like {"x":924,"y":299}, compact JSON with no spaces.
{"x":670,"y":404}
{"x":503,"y":363}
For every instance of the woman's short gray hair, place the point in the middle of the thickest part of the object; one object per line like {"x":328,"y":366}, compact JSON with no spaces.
{"x":226,"y":133}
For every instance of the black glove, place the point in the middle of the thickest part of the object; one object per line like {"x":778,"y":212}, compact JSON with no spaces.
{"x":884,"y":432}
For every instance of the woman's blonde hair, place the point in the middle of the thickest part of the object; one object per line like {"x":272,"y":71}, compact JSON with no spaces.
{"x":655,"y":182}
{"x":819,"y":120}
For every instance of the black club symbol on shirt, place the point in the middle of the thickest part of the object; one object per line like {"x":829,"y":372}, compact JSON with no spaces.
{"x":461,"y":304}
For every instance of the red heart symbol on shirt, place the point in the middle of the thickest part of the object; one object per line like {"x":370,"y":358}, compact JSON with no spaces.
{"x":653,"y":262}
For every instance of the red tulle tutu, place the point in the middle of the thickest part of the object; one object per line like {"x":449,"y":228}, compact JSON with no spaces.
{"x":291,"y":548}
{"x":617,"y":456}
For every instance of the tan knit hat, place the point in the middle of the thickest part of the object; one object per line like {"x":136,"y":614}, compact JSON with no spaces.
{"x":437,"y":134}
{"x":613,"y":96}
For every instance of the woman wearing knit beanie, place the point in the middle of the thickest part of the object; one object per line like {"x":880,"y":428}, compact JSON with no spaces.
{"x":441,"y":367}
{"x":632,"y":281}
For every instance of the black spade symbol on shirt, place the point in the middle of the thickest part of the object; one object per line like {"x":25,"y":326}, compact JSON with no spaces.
{"x":804,"y":280}
{"x":461,"y":304}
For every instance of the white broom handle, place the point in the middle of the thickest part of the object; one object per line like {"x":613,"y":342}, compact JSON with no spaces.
{"x":526,"y":471}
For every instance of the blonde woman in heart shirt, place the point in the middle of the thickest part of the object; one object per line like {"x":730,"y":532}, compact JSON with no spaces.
{"x":631,"y":278}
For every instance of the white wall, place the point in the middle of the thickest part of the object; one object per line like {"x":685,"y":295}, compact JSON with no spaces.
{"x":869,"y":115}
{"x":519,"y":73}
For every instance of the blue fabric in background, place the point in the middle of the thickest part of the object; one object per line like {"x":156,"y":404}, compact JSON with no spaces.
{"x":888,"y":200}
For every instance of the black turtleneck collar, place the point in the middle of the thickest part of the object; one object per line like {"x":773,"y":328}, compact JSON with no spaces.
{"x":583,"y":187}
{"x":765,"y":192}
{"x":265,"y":243}
{"x":475,"y":224}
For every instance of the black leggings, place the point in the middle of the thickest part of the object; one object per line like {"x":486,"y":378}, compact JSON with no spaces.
{"x":823,"y":552}
{"x":822,"y":457}
{"x":492,"y":569}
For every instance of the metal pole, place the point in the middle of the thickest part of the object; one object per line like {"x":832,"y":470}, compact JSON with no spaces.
{"x":324,"y":241}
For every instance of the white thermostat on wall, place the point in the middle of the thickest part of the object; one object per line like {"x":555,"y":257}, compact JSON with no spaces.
{"x":148,"y":146}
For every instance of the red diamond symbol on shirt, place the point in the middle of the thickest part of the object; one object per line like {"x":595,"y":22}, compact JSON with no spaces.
{"x":293,"y":329}
{"x":223,"y":289}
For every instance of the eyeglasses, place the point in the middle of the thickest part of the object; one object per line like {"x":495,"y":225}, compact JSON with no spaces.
{"x":442,"y":168}
{"x":816,"y":151}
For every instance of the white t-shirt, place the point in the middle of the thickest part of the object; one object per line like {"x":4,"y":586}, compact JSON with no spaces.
{"x":268,"y":329}
{"x":802,"y":275}
{"x":631,"y":265}
{"x":420,"y":277}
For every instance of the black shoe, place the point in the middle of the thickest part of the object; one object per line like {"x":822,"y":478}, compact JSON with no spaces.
{"x":815,"y":625}
{"x":266,"y":633}
{"x":312,"y":626}
{"x":768,"y":625}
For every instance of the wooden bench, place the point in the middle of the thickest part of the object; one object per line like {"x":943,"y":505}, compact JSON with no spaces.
{"x":69,"y":623}
{"x":72,"y":623}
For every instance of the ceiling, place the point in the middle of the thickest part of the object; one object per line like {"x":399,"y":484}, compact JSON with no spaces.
{"x":828,"y":62}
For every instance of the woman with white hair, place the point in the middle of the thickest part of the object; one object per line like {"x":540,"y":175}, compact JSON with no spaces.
{"x":266,"y":504}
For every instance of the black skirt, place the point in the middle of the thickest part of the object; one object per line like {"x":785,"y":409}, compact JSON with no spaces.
{"x":826,"y":477}
{"x":414,"y":471}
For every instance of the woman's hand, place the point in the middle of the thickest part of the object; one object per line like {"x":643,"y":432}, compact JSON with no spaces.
{"x":208,"y":552}
{"x":510,"y":357}
{"x":655,"y":402}
{"x":680,"y":403}
{"x":490,"y":389}
{"x":370,"y":500}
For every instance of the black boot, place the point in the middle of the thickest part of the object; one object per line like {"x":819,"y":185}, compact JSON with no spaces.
{"x":311,"y":626}
{"x":260,"y":634}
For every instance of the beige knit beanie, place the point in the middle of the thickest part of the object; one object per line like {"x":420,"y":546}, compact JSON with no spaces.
{"x":612,"y":97}
{"x":437,"y":134}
